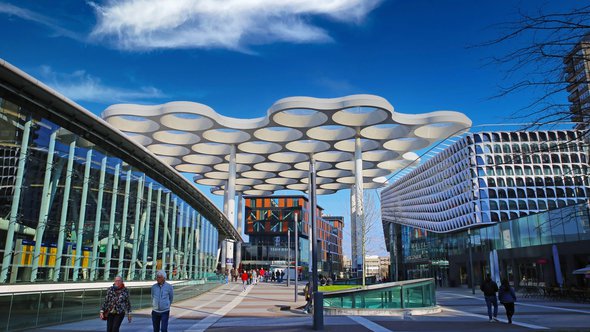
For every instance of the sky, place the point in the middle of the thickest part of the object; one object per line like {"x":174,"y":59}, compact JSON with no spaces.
{"x":240,"y":56}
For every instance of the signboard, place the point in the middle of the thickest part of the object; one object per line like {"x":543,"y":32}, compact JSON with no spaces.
{"x":542,"y":261}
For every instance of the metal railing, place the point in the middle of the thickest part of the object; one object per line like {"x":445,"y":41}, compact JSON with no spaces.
{"x":419,"y":293}
{"x":28,"y":310}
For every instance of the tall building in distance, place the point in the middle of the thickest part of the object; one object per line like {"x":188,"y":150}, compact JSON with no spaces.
{"x":267,"y":222}
{"x":577,"y":74}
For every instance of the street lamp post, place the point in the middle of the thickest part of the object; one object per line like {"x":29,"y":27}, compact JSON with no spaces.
{"x":318,"y":311}
{"x":288,"y":254}
{"x":296,"y":253}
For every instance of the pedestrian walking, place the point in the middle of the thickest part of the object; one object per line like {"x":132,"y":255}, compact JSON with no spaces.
{"x":507,"y":297}
{"x":116,"y":304}
{"x":244,"y":280}
{"x":234,"y":274}
{"x":489,"y":289}
{"x":307,"y":291}
{"x":162,"y":297}
{"x":261,"y":274}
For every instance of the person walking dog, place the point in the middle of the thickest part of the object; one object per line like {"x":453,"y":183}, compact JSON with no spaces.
{"x":507,"y":297}
{"x":162,"y":296}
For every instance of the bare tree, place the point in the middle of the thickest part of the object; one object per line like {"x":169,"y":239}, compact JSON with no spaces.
{"x":538,"y":67}
{"x":370,"y":226}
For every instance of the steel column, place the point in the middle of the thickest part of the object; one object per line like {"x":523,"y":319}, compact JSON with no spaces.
{"x":156,"y":233}
{"x":82,"y":217}
{"x":122,"y":242}
{"x":18,"y":186}
{"x":95,"y":242}
{"x":173,"y":238}
{"x":109,"y":253}
{"x":64,"y":211}
{"x":146,"y":230}
{"x":44,"y":210}
{"x":136,"y":228}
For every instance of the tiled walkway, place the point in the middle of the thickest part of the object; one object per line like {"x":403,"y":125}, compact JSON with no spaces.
{"x":263,"y":307}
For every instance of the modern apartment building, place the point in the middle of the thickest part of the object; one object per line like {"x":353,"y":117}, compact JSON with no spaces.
{"x":485,"y":180}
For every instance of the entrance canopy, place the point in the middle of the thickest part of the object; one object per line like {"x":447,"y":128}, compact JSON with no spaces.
{"x":273,"y":152}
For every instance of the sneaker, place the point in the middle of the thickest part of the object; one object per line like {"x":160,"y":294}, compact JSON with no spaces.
{"x":495,"y":319}
{"x":491,"y":320}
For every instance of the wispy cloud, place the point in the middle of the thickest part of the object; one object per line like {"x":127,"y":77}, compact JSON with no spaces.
{"x":81,"y":86}
{"x":28,"y":15}
{"x":228,"y":24}
{"x":337,"y":86}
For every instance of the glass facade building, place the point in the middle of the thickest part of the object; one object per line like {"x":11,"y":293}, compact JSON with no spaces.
{"x":529,"y":250}
{"x":80,"y":201}
{"x":267,"y":220}
{"x":513,"y":197}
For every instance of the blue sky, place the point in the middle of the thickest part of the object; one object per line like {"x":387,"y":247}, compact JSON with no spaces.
{"x":240,"y":56}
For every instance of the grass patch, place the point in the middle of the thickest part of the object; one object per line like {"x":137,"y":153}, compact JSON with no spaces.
{"x":336,"y":288}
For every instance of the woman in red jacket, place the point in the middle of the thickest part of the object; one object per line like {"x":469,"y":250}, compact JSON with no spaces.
{"x":244,"y":280}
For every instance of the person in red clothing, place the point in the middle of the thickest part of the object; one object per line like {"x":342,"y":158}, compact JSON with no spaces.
{"x":244,"y":280}
{"x":261,"y":274}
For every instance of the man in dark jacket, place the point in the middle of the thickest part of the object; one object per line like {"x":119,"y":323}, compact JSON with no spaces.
{"x":489,"y":289}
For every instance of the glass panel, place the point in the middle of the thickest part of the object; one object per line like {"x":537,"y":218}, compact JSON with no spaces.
{"x":73,"y":306}
{"x":556,"y":226}
{"x":5,"y":305}
{"x":50,"y":308}
{"x":92,"y":301}
{"x":523,"y":228}
{"x":570,"y":224}
{"x":534,"y":230}
{"x":24,"y":311}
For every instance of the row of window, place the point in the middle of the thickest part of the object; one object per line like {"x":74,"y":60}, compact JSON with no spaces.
{"x":525,"y":136}
{"x":509,"y":170}
{"x":535,"y":181}
{"x":527,"y":159}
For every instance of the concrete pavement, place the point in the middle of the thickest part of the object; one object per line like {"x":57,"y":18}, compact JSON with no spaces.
{"x":261,"y":308}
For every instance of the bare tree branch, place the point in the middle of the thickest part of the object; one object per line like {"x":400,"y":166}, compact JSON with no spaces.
{"x":546,"y":39}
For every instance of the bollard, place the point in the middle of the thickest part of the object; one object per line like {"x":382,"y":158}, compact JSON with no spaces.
{"x":318,"y":311}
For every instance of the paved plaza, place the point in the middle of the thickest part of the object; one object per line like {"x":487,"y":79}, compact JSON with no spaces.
{"x":262,"y":308}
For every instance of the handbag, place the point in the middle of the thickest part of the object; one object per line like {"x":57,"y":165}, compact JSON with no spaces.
{"x":105,"y":315}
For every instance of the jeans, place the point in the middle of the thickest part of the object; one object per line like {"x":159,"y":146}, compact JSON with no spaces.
{"x":160,"y":321}
{"x":114,"y":322}
{"x":492,"y":300}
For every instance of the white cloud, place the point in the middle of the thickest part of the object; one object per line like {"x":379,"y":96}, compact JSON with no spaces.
{"x":229,"y":24}
{"x":81,"y":86}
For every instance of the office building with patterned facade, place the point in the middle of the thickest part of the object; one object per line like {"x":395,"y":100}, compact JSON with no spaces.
{"x":518,"y":199}
{"x":267,"y":222}
{"x":80,"y":201}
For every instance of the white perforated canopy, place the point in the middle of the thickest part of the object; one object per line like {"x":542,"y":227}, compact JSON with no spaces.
{"x":273,"y":152}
